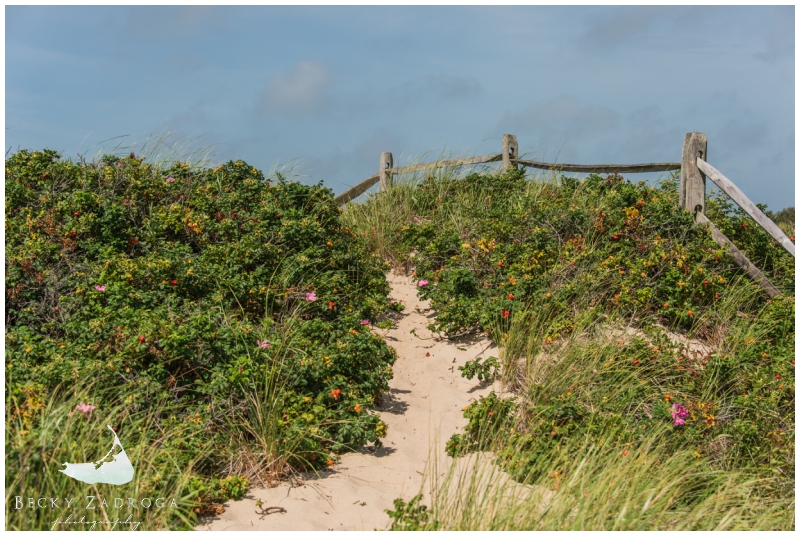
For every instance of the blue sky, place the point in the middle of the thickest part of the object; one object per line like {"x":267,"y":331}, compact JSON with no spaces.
{"x":333,"y":87}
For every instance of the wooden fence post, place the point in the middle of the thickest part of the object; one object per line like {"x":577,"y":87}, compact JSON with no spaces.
{"x":693,"y":181}
{"x":510,"y":150}
{"x":385,"y":171}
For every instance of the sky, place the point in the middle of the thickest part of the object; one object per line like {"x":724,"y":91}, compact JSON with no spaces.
{"x":328,"y":89}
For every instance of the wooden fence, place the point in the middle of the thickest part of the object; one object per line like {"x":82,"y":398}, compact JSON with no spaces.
{"x":692,"y":197}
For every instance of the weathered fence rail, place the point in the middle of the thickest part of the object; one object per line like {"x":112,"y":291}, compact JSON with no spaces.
{"x":365,"y":185}
{"x":693,"y":166}
{"x":604,"y":168}
{"x":739,"y":258}
{"x":740,"y":199}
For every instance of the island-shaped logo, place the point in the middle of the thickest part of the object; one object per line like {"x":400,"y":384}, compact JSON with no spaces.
{"x":113,"y":468}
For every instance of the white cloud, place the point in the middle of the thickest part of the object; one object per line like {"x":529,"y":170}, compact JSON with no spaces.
{"x":171,"y":23}
{"x":617,"y":26}
{"x":778,"y":34}
{"x":563,"y":113}
{"x":646,"y":117}
{"x":453,"y":87}
{"x":301,"y":91}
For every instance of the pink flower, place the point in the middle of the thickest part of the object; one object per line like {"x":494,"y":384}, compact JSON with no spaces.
{"x":119,"y":164}
{"x":423,"y":283}
{"x":100,"y":288}
{"x":85,"y":408}
{"x":170,"y":179}
{"x":311,"y":296}
{"x":364,"y":322}
{"x":679,"y":415}
{"x":263,"y":344}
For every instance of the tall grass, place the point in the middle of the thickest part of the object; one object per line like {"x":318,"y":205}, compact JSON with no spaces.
{"x":162,"y":444}
{"x":645,"y":487}
{"x":411,"y":198}
{"x":159,"y":149}
{"x":43,"y":434}
{"x":588,"y":438}
{"x":56,"y":433}
{"x":264,"y":450}
{"x":616,"y":478}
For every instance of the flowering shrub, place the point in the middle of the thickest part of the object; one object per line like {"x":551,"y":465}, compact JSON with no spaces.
{"x":530,"y":263}
{"x":190,"y":288}
{"x":626,"y":241}
{"x":734,"y":408}
{"x":679,"y":415}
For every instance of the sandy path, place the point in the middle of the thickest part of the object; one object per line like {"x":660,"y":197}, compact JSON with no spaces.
{"x":422,"y":410}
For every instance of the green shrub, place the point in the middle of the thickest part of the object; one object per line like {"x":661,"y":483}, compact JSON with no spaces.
{"x":622,"y":245}
{"x":484,"y":370}
{"x":549,"y":269}
{"x":215,"y":491}
{"x":187,"y":290}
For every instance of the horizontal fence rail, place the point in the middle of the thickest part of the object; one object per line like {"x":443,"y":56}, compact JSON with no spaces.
{"x":368,"y":183}
{"x":693,"y":167}
{"x":602,"y":168}
{"x":448,"y":163}
{"x":508,"y":157}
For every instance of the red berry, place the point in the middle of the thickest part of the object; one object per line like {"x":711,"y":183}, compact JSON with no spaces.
{"x":500,"y":264}
{"x":777,"y":376}
{"x":635,"y":361}
{"x":173,"y":282}
{"x":716,"y":296}
{"x":73,"y":234}
{"x":77,"y":214}
{"x":705,"y":282}
{"x":510,"y":296}
{"x":141,"y":338}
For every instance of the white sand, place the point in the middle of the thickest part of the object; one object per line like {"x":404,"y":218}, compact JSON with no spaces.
{"x":422,"y":410}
